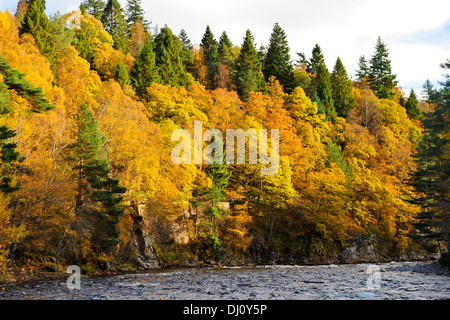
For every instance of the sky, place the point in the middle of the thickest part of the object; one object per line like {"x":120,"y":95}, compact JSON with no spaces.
{"x":416,"y":32}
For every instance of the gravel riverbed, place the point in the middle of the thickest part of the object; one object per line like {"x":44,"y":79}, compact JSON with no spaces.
{"x":392,"y":281}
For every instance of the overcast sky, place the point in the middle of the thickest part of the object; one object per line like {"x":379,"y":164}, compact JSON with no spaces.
{"x":416,"y":32}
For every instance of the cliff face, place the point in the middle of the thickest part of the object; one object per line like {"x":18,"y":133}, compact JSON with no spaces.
{"x":138,"y":250}
{"x":176,"y":243}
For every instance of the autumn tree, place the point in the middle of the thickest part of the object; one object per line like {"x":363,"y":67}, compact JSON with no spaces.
{"x":138,"y":37}
{"x":114,"y":22}
{"x":199,"y":68}
{"x":277,"y":60}
{"x":14,"y":83}
{"x":36,"y":23}
{"x":248,"y":76}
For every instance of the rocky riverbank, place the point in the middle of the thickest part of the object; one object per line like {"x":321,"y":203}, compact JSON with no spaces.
{"x":397,"y":281}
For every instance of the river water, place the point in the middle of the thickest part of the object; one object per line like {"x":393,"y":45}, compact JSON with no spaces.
{"x":393,"y":281}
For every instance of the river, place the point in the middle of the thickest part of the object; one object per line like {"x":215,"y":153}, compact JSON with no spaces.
{"x":392,"y":281}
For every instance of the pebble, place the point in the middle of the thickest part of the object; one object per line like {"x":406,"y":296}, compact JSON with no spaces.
{"x":398,"y":281}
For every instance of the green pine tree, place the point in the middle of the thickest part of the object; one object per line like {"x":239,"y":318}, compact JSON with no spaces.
{"x":83,"y":46}
{"x":136,"y":13}
{"x":10,"y":158}
{"x":121,"y":75}
{"x":186,"y":51}
{"x":169,"y":61}
{"x":144,"y":71}
{"x":341,"y":89}
{"x":412,"y":106}
{"x":99,"y":203}
{"x":5,"y":99}
{"x":277,"y":61}
{"x":15,"y":80}
{"x":248,"y":76}
{"x":224,"y":50}
{"x":219,"y":175}
{"x":82,"y":8}
{"x":335,"y":155}
{"x":165,"y":70}
{"x":113,"y":20}
{"x":209,"y":45}
{"x":316,"y":60}
{"x":433,"y":171}
{"x":363,"y":70}
{"x":36,"y":23}
{"x":312,"y":67}
{"x":381,"y":78}
{"x":325,"y":93}
{"x":95,"y":7}
{"x":430,"y":94}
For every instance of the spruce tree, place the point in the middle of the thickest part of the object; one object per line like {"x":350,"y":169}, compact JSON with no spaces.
{"x":186,"y":51}
{"x":121,"y":75}
{"x":115,"y":24}
{"x":136,"y":13}
{"x":36,"y":23}
{"x":324,"y":92}
{"x":412,"y":106}
{"x":224,"y":50}
{"x":209,"y":45}
{"x":165,"y":69}
{"x":381,"y":78}
{"x":312,"y":67}
{"x":95,"y":7}
{"x":219,"y":175}
{"x":82,"y":8}
{"x":83,"y":46}
{"x":277,"y":61}
{"x":342,"y":89}
{"x":10,"y":158}
{"x":144,"y":71}
{"x":431,"y":95}
{"x":92,"y":166}
{"x":316,"y":60}
{"x":169,"y":61}
{"x":248,"y":76}
{"x":433,"y":171}
{"x":363,"y":70}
